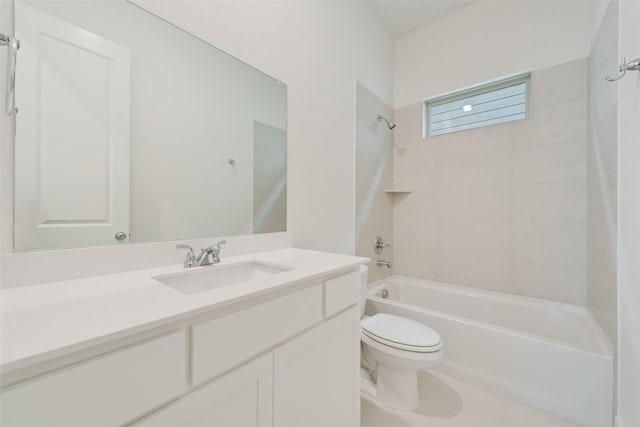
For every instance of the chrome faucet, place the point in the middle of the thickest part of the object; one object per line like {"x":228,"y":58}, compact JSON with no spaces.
{"x":210,"y":254}
{"x":383,"y":263}
{"x":189,"y":258}
{"x":207,"y":256}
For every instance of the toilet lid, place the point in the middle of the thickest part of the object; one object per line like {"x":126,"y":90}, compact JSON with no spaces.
{"x":400,"y":332}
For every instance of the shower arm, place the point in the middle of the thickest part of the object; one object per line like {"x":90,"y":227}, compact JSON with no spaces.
{"x":389,"y":123}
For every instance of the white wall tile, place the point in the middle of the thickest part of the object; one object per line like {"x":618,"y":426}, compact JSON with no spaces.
{"x":476,"y":230}
{"x":562,"y":83}
{"x":553,"y":124}
{"x":415,"y":218}
{"x":550,"y":239}
{"x":603,"y":243}
{"x":476,"y":269}
{"x":415,"y":169}
{"x":550,"y":163}
{"x":489,"y":138}
{"x":415,"y":261}
{"x":412,"y":144}
{"x":603,"y":142}
{"x":604,"y":60}
{"x":602,"y":303}
{"x":474,"y":203}
{"x":491,"y":237}
{"x":502,"y":207}
{"x":603,"y":200}
{"x":602,"y":279}
{"x":475,"y":170}
{"x":409,"y":119}
{"x":552,"y":279}
{"x":560,"y":201}
{"x":602,"y":170}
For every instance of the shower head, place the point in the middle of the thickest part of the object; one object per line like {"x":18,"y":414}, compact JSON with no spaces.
{"x":390,"y":124}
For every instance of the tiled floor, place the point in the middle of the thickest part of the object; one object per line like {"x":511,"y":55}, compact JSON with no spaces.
{"x":448,"y":402}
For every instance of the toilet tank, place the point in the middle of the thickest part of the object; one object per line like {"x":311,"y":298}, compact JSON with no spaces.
{"x":364,"y":272}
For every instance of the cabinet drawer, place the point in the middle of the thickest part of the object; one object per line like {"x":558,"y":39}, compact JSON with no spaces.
{"x":222,"y":343}
{"x":341,"y":292}
{"x":105,"y":391}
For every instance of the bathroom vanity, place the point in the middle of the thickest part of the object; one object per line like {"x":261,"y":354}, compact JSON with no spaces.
{"x":279,"y":348}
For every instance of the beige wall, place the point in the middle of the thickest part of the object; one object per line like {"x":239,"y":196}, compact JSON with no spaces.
{"x":374,"y":174}
{"x":602,"y":172}
{"x":486,"y":40}
{"x":629,"y":222}
{"x":502,"y":207}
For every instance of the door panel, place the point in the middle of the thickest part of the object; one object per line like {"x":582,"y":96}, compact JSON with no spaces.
{"x":72,"y":136}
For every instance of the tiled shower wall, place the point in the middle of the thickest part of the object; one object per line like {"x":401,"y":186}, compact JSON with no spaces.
{"x":374,"y":174}
{"x":602,"y":172}
{"x":502,"y":207}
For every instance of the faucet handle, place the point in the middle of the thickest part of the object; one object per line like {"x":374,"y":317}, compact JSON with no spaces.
{"x":216,"y":251}
{"x":189,"y":258}
{"x":379,"y":245}
{"x":215,"y":246}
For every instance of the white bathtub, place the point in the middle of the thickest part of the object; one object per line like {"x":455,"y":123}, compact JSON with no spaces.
{"x":549,"y":355}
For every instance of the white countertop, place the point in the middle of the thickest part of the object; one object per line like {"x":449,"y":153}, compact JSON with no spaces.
{"x":45,"y":321}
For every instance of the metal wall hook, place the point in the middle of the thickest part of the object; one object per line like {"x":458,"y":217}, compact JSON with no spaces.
{"x":624,"y":67}
{"x":13,"y":45}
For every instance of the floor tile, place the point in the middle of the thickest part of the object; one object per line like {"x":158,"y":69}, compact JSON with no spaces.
{"x":448,"y":402}
{"x":520,"y":415}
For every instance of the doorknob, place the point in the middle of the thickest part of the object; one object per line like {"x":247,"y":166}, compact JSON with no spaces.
{"x":120,"y":235}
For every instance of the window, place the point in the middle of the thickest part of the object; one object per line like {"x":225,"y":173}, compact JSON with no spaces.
{"x":500,"y":101}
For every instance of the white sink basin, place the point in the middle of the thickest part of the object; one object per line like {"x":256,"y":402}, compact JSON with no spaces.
{"x":216,"y":276}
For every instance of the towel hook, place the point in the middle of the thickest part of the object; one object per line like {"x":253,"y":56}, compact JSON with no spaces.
{"x":624,"y":67}
{"x":13,"y":45}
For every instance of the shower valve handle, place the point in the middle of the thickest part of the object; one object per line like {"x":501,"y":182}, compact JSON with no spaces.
{"x":379,"y":245}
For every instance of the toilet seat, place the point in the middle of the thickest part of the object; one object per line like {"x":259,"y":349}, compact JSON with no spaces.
{"x":401,"y":333}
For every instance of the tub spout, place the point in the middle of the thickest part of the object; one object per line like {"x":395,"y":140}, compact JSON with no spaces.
{"x":383,"y":263}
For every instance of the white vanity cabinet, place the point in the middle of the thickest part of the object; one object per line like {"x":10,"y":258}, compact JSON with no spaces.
{"x":316,"y":376}
{"x":289,"y":357}
{"x":241,"y":398}
{"x":221,"y":343}
{"x":107,"y":390}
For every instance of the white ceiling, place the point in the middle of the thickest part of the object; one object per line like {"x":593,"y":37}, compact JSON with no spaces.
{"x":403,"y":16}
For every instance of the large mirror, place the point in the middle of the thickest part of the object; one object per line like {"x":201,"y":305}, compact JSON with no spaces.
{"x":131,"y":130}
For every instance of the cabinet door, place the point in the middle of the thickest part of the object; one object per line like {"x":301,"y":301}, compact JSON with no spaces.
{"x":106,"y":391}
{"x":316,"y":376}
{"x":241,"y":398}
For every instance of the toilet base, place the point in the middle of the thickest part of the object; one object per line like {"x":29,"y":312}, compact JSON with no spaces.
{"x":397,"y":388}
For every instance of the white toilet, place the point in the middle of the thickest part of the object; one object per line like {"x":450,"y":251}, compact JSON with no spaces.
{"x":401,"y":347}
